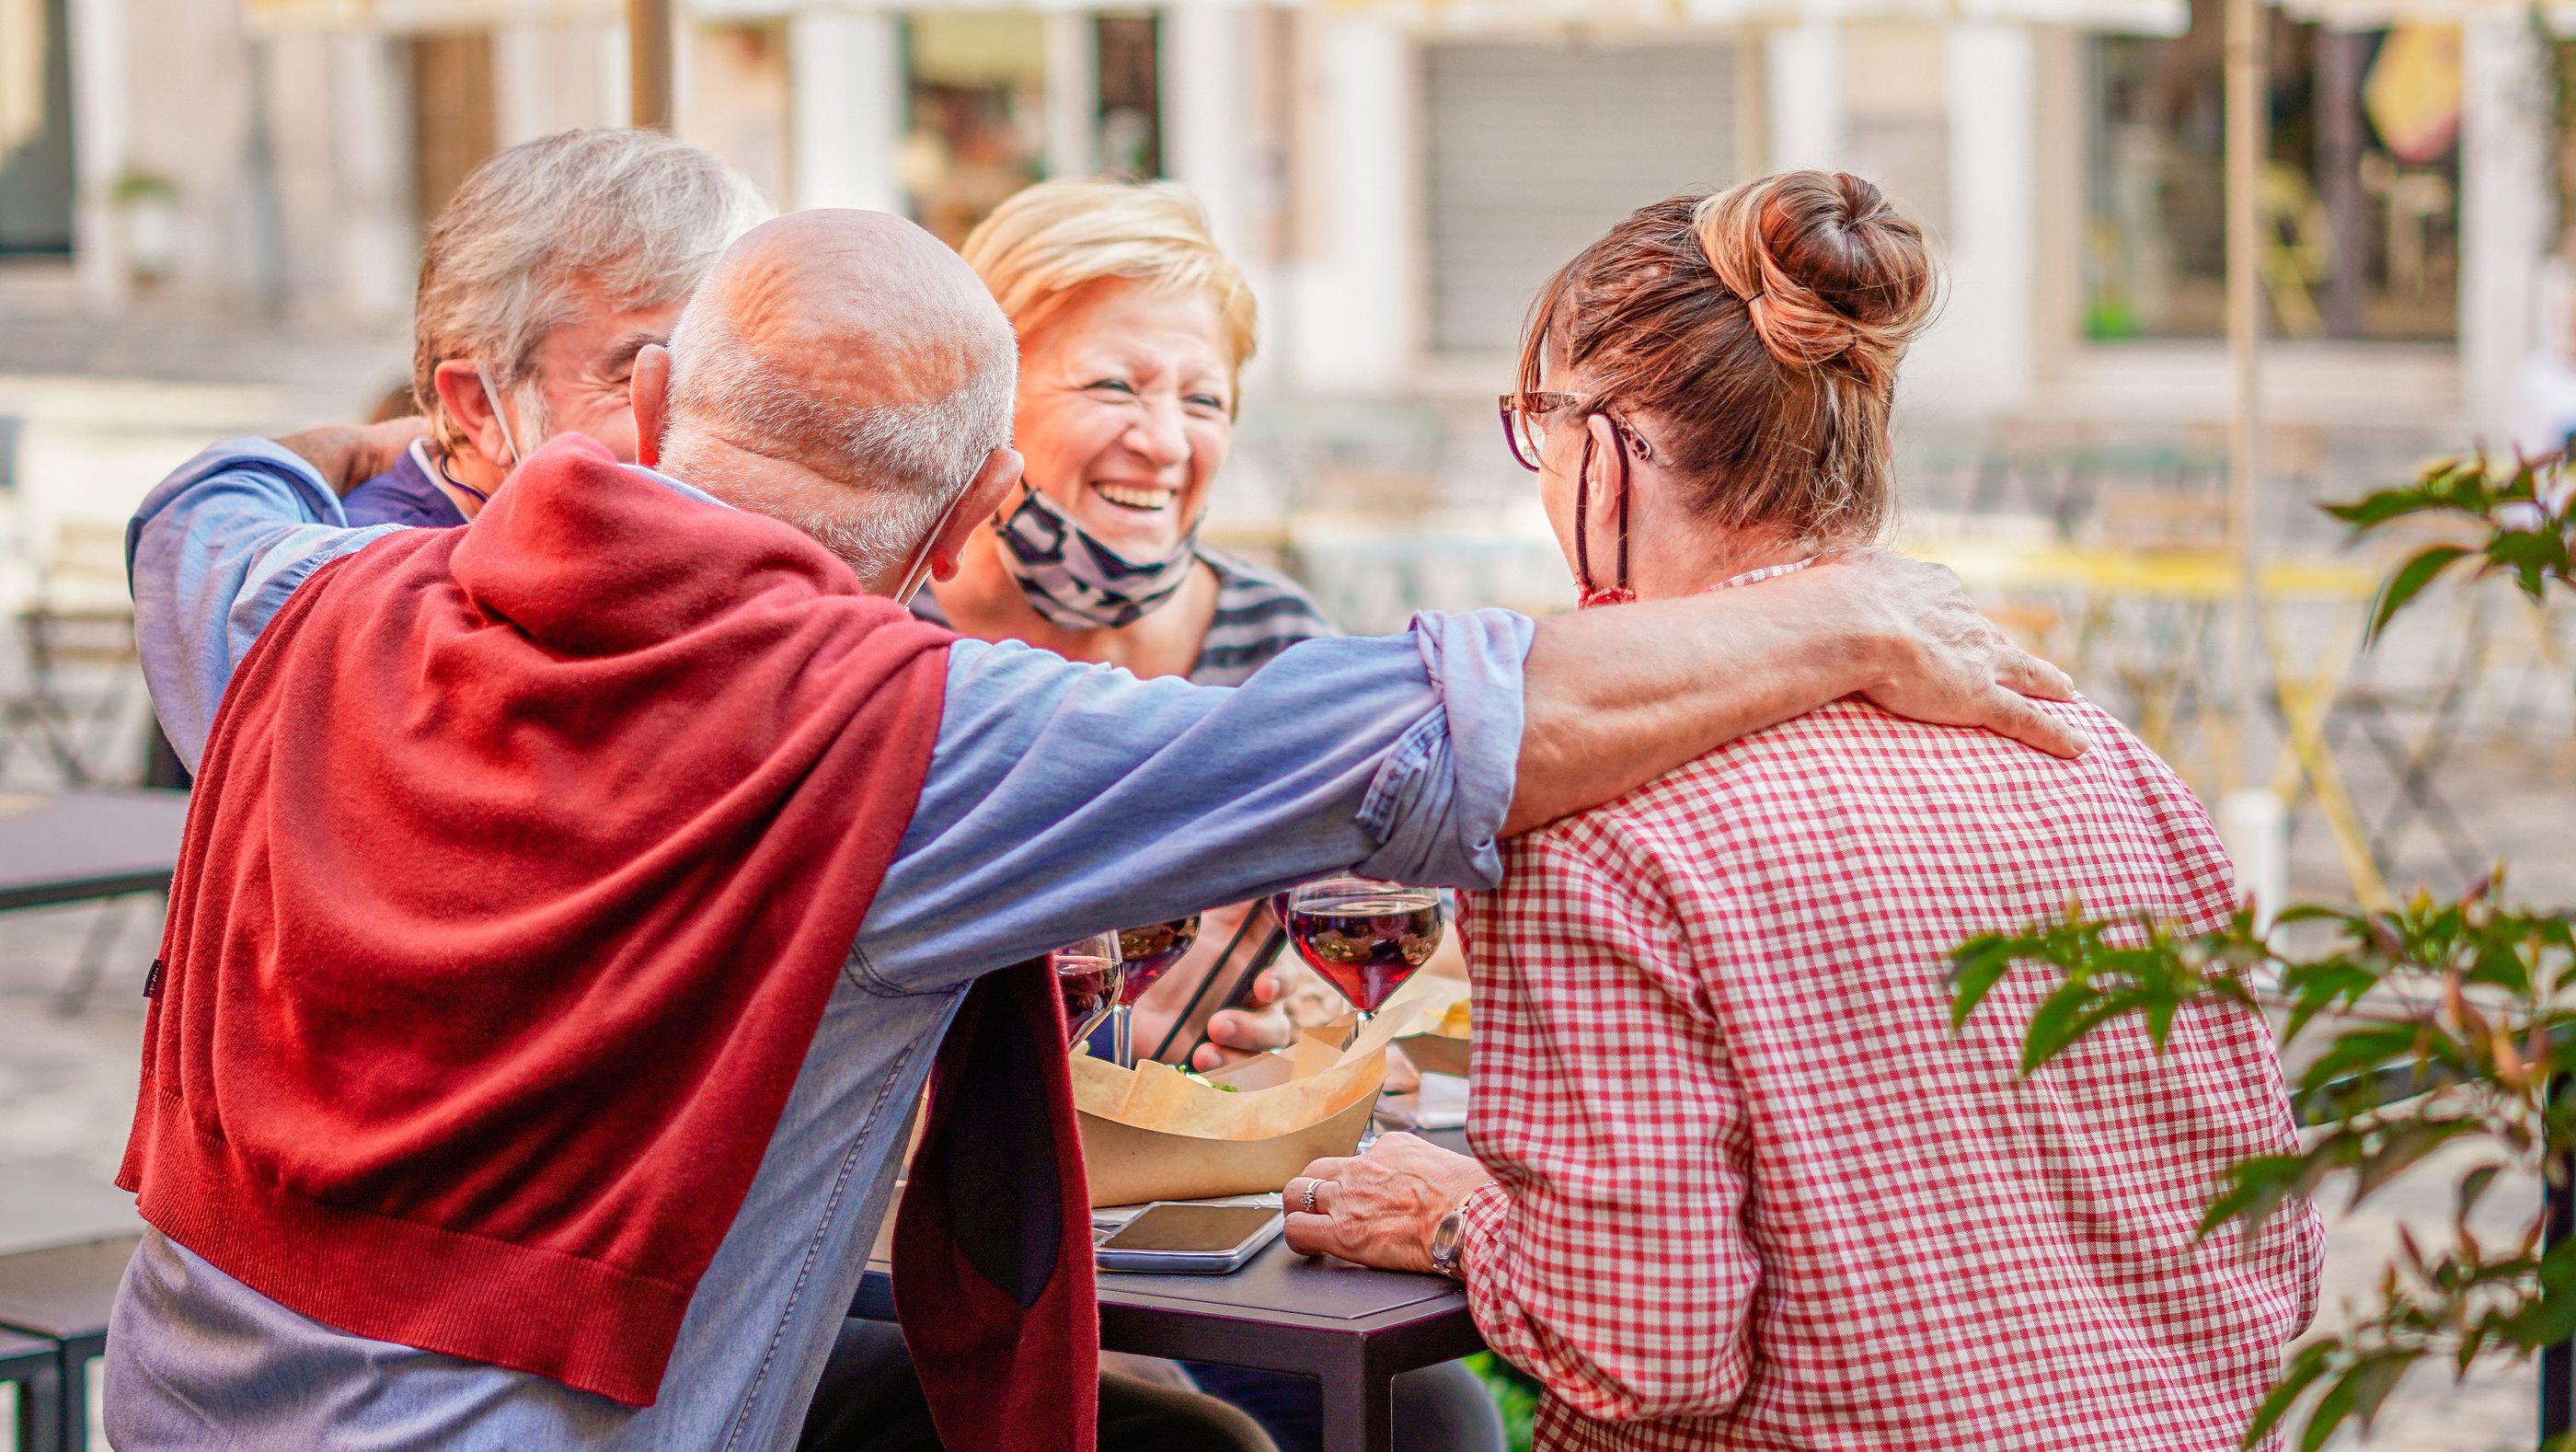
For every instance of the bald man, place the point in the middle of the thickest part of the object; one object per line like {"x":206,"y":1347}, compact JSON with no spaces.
{"x":571,"y":900}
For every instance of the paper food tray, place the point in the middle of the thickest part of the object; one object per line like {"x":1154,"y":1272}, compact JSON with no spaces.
{"x":1154,"y":1133}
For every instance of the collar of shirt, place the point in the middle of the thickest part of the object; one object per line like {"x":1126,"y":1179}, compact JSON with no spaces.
{"x":684,"y":490}
{"x":1764,"y":573}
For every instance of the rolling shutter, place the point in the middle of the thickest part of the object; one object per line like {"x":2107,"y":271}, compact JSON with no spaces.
{"x":1535,"y":150}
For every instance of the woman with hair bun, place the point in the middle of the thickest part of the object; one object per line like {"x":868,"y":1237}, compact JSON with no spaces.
{"x":1737,"y":1183}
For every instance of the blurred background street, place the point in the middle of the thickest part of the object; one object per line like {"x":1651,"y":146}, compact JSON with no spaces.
{"x":210,"y":214}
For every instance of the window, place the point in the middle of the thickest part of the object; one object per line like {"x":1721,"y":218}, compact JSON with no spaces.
{"x":35,"y":128}
{"x":2360,"y":194}
{"x":1534,"y":150}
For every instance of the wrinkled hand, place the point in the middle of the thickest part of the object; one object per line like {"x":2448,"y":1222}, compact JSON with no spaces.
{"x":347,"y":456}
{"x":1379,"y":1209}
{"x":1946,"y":663}
{"x":1236,"y":1034}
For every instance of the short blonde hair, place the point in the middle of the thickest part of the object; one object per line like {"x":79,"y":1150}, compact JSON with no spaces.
{"x":1050,"y":240}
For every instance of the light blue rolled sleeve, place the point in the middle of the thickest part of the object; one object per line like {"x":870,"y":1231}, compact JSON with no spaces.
{"x":211,"y":555}
{"x":1067,"y":799}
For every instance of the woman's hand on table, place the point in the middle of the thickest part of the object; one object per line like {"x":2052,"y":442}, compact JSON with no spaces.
{"x":1379,"y":1209}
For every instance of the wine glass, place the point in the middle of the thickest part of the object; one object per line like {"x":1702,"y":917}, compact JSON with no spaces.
{"x":1088,"y":974}
{"x":1146,"y":954}
{"x":1366,"y":937}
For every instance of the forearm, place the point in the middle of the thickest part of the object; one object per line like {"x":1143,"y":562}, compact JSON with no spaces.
{"x":1389,"y":755}
{"x":212,"y":553}
{"x":1615,"y":698}
{"x":1607,"y":1349}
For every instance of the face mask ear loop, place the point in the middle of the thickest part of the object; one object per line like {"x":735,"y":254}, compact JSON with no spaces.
{"x":1619,"y":446}
{"x":1582,"y":521}
{"x":916,"y":571}
{"x":500,"y":420}
{"x":1590,"y":594}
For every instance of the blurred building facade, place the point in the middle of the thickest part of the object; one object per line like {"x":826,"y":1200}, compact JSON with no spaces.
{"x":1400,"y":177}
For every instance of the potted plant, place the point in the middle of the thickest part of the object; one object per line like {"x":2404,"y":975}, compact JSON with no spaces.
{"x":2449,"y":1023}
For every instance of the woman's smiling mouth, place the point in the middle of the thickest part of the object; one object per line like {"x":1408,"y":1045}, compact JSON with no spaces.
{"x":1143,"y":498}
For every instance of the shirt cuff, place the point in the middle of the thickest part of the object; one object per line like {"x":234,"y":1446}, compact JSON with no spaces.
{"x":1482,"y":1247}
{"x":1437,"y":803}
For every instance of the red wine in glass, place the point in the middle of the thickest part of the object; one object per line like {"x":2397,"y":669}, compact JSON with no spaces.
{"x":1365,"y":937}
{"x":1087,"y":976}
{"x":1147,"y":953}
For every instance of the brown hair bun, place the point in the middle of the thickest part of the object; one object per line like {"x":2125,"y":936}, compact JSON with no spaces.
{"x":1827,"y":269}
{"x":1752,"y":337}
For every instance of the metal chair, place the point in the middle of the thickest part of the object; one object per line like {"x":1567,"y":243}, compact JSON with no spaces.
{"x":33,"y":1368}
{"x":62,"y":1295}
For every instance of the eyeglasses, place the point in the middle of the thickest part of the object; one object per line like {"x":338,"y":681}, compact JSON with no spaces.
{"x":1525,"y":423}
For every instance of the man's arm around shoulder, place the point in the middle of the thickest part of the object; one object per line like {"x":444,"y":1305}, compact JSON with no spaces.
{"x":217,"y":547}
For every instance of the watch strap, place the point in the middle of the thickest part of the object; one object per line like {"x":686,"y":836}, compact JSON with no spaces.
{"x":1448,"y":1243}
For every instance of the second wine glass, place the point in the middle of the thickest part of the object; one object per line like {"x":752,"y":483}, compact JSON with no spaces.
{"x":1145,"y":954}
{"x":1088,"y":975}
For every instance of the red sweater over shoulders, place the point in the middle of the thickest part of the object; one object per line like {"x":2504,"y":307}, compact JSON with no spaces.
{"x":518,"y":871}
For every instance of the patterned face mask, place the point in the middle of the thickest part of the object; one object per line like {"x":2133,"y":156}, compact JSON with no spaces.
{"x":1076,"y":581}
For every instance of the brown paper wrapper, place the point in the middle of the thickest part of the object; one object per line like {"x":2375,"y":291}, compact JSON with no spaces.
{"x":1154,"y":1133}
{"x":1441,"y":1047}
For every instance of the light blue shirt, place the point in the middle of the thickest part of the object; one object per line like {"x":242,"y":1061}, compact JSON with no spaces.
{"x":1061,"y":800}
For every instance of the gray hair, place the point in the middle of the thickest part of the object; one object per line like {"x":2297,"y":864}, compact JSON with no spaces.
{"x":906,"y":464}
{"x":637,"y":212}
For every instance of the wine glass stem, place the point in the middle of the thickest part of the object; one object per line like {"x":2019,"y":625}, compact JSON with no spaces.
{"x":1122,"y":1050}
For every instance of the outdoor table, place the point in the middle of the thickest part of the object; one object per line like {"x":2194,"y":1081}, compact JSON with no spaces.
{"x":1353,"y":1330}
{"x":63,"y":1295}
{"x":78,"y":845}
{"x":87,"y":844}
{"x":35,"y":1367}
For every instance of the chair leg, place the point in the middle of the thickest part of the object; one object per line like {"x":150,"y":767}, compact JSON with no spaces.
{"x":104,"y":929}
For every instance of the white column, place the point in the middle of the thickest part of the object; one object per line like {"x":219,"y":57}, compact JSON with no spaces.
{"x":546,"y":78}
{"x":2504,"y":212}
{"x":1072,"y":93}
{"x":371,"y":146}
{"x":296,"y":93}
{"x":1207,"y":141}
{"x":102,"y":101}
{"x":845,"y":110}
{"x":609,"y":74}
{"x":1978,"y":357}
{"x":1804,"y":94}
{"x":1359,"y":301}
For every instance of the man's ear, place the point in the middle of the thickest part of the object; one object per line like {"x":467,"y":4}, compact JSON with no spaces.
{"x":980,"y":501}
{"x":460,"y":392}
{"x":649,"y":389}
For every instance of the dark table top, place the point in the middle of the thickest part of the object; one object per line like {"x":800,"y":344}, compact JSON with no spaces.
{"x":68,"y":846}
{"x":64,"y":1292}
{"x":1279,"y":1294}
{"x":21,"y":1353}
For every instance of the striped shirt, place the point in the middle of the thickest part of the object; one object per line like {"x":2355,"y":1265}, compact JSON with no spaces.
{"x":1258,"y":615}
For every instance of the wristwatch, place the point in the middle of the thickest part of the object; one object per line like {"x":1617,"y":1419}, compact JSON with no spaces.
{"x":1448,"y":1243}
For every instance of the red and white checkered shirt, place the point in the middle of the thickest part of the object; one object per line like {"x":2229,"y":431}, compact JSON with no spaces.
{"x":1752,"y":1194}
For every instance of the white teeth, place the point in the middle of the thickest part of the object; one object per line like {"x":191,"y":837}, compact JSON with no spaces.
{"x":1134,"y":498}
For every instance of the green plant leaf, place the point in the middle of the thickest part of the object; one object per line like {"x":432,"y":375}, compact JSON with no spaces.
{"x":2407,"y":583}
{"x":1976,"y":966}
{"x":2307,"y":1364}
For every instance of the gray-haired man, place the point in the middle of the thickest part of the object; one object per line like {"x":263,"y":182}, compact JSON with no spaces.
{"x":549,"y":270}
